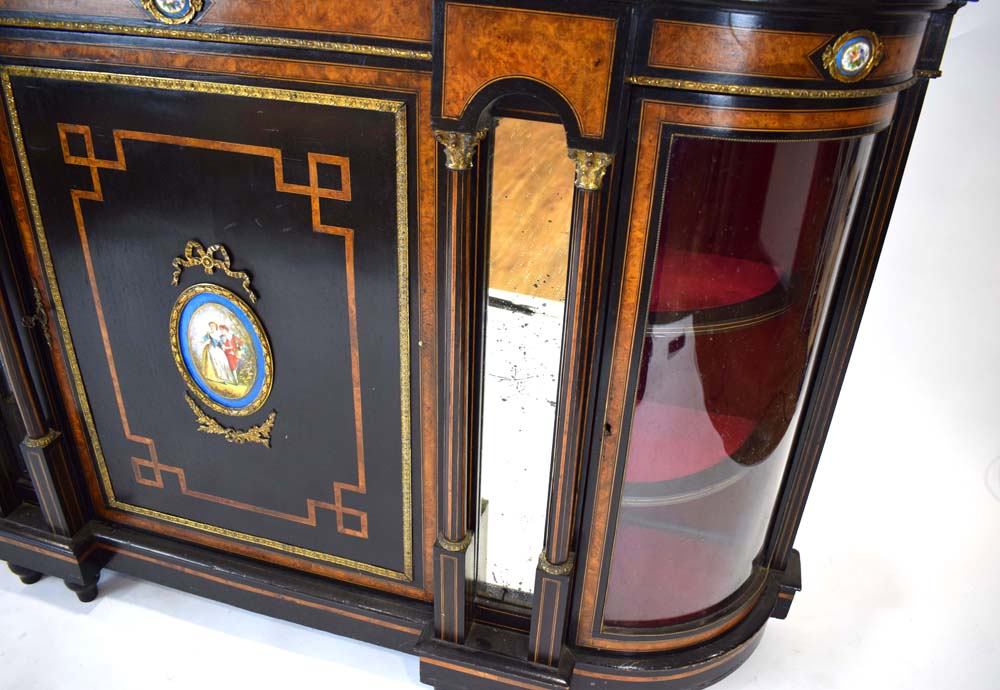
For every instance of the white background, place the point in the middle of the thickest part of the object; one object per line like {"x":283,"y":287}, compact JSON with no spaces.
{"x":901,"y":538}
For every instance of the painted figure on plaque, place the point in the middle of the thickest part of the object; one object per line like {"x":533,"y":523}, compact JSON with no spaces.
{"x":221,"y":349}
{"x":228,"y":368}
{"x":216,"y":363}
{"x":232,"y":346}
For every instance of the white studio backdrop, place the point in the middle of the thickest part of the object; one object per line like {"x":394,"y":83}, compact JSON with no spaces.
{"x":901,"y":537}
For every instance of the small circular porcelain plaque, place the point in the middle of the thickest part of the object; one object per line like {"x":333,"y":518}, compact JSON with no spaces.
{"x":173,"y":11}
{"x":853,"y":56}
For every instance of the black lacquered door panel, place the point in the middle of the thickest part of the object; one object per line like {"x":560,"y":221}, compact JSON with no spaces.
{"x":277,"y":421}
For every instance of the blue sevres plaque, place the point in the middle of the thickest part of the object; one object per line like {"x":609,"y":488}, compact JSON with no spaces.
{"x":221,"y":350}
{"x":853,"y":56}
{"x":173,"y":11}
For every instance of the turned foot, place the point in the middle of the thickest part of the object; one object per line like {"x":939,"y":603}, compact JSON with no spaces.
{"x":28,"y":577}
{"x":85,"y":593}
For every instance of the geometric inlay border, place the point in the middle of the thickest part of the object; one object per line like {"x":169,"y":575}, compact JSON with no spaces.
{"x":315,"y":193}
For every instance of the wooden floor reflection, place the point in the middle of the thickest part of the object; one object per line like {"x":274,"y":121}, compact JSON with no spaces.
{"x":532,"y":203}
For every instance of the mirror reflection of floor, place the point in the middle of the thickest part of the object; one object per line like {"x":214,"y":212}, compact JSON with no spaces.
{"x":519,"y":402}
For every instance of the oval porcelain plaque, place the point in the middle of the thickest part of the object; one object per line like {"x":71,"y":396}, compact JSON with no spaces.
{"x":854,"y":56}
{"x":173,"y":11}
{"x":173,"y":8}
{"x":221,"y":349}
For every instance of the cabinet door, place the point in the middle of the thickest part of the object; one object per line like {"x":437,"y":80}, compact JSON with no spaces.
{"x":229,"y":267}
{"x":735,"y":233}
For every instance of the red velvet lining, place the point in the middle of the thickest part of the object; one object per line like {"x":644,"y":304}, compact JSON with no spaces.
{"x":687,"y":281}
{"x":670,"y":441}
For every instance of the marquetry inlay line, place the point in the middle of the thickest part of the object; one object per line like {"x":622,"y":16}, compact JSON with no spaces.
{"x":476,"y":673}
{"x":235,"y":584}
{"x":548,"y":621}
{"x":42,"y":480}
{"x":460,"y":151}
{"x":718,"y":661}
{"x":582,"y":203}
{"x":552,"y":626}
{"x":309,"y":519}
{"x":315,"y":193}
{"x":37,"y":549}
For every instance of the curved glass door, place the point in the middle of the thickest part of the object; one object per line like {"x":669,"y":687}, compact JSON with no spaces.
{"x":749,"y":242}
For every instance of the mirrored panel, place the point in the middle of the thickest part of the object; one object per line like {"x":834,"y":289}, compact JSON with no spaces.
{"x":531,"y":202}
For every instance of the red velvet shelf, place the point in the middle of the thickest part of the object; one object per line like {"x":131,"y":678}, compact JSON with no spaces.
{"x":695,"y":281}
{"x":671,"y":442}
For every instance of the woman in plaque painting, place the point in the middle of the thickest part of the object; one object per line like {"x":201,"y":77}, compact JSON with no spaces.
{"x":214,"y":362}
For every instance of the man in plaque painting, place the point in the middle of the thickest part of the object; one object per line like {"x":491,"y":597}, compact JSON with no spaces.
{"x":231,"y":345}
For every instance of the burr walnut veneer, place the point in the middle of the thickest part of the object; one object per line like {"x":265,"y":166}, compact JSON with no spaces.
{"x":244,"y":291}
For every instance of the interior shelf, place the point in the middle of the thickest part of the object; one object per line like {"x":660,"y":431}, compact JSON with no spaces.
{"x":678,"y":454}
{"x":701,"y":291}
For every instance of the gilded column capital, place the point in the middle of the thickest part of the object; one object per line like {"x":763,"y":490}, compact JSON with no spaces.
{"x":590,"y":168}
{"x":459,"y":147}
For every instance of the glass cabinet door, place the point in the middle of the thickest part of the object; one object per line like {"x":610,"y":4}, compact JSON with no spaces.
{"x":749,"y":242}
{"x":12,"y":465}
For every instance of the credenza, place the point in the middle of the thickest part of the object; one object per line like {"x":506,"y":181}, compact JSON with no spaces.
{"x":504,"y":333}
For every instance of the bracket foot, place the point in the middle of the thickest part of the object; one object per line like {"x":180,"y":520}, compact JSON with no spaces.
{"x":28,"y":576}
{"x":85,"y":593}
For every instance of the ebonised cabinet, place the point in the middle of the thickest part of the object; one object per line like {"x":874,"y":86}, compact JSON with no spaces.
{"x":247,"y":284}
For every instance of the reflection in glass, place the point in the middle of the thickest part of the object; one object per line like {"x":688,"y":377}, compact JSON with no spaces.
{"x":750,"y":239}
{"x":531,"y":202}
{"x":11,"y":431}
